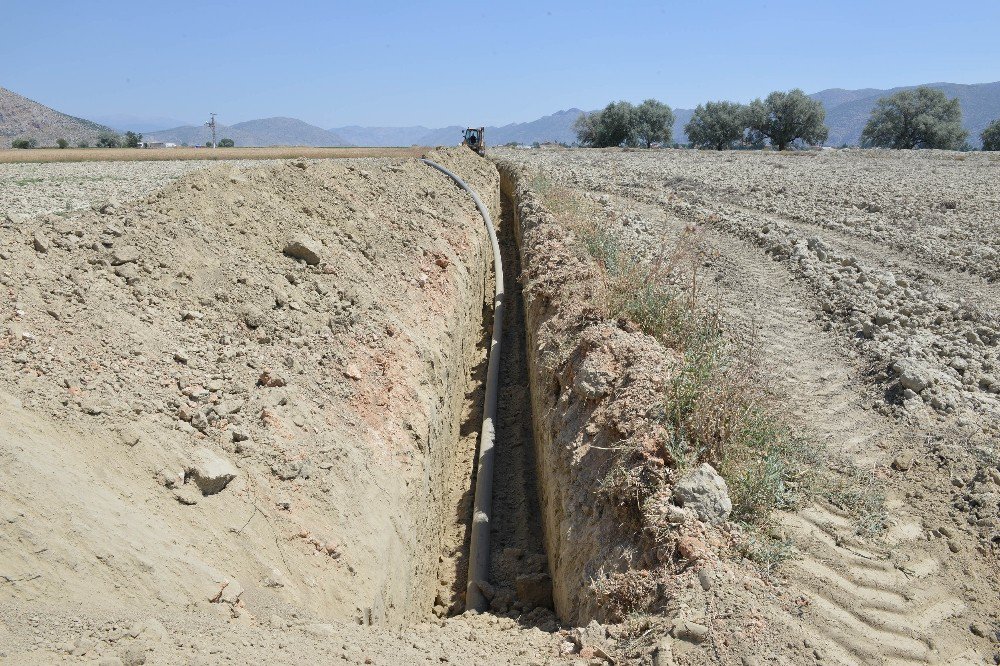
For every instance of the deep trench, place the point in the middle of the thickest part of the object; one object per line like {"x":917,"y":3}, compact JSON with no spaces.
{"x":516,"y":538}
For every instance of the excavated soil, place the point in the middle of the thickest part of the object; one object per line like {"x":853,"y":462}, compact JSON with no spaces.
{"x":238,"y":419}
{"x":240,"y":405}
{"x":869,"y":280}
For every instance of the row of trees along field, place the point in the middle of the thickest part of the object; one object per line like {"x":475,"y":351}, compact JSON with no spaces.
{"x":919,"y":118}
{"x":109,"y":140}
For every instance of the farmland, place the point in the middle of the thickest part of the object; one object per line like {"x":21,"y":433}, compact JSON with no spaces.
{"x":241,"y":400}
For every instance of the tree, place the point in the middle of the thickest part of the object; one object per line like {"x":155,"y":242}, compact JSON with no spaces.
{"x":133,"y":140}
{"x":785,"y":117}
{"x":615,"y":125}
{"x":108,"y":140}
{"x":718,"y":125}
{"x":226,"y":143}
{"x":208,"y":144}
{"x":62,"y":143}
{"x":654,"y":123}
{"x":623,"y":124}
{"x":83,"y":144}
{"x":585,"y":127}
{"x":23,"y":144}
{"x":919,"y":118}
{"x":991,"y":136}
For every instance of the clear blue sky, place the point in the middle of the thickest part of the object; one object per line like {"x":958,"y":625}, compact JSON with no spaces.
{"x":441,"y":63}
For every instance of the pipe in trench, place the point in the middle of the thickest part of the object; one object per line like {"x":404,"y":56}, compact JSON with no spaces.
{"x":479,"y":542}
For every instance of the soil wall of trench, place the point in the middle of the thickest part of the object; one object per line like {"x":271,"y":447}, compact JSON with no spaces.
{"x":252,"y":391}
{"x":593,"y":387}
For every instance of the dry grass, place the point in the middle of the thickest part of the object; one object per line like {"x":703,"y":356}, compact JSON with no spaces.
{"x":717,"y":406}
{"x":163,"y":154}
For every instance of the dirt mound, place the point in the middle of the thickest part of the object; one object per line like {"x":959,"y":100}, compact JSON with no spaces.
{"x":271,"y":362}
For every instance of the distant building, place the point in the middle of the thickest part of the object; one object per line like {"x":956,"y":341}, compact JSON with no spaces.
{"x":159,"y":144}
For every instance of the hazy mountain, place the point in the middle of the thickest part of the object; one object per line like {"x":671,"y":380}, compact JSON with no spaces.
{"x":555,"y":127}
{"x":847,"y":111}
{"x":22,"y":118}
{"x":262,"y":132}
{"x":382,"y":136}
{"x":124,"y":122}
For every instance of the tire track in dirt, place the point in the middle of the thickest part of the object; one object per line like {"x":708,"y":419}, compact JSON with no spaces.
{"x":956,"y":284}
{"x":863,"y":604}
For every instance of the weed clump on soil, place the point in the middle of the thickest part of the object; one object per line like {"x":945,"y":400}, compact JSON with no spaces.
{"x":715,"y":406}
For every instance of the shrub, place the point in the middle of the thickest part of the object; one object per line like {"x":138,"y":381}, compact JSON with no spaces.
{"x":226,"y":143}
{"x":83,"y":144}
{"x":991,"y":136}
{"x":920,"y":118}
{"x":23,"y":144}
{"x":785,"y":117}
{"x":62,"y":143}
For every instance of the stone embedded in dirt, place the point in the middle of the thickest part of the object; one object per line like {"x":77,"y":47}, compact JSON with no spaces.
{"x":912,"y":375}
{"x":229,"y":593}
{"x":253,"y":317}
{"x":706,"y":493}
{"x":687,"y":630}
{"x":304,"y":248}
{"x":663,"y":655}
{"x":535,"y":590}
{"x":124,"y":255}
{"x":320,"y":630}
{"x":595,"y":376}
{"x":128,"y":436}
{"x":271,"y":379}
{"x":903,"y":462}
{"x":40,"y":243}
{"x":210,"y":472}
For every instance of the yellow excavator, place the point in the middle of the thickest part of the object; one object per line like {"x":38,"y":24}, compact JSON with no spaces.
{"x":475,"y":138}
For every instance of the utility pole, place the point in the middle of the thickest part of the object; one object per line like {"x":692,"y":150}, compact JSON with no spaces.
{"x":211,"y":124}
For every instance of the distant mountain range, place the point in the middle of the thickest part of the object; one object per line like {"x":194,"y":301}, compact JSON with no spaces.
{"x":263,"y":132}
{"x":847,"y":112}
{"x":557,"y":127}
{"x":22,"y":118}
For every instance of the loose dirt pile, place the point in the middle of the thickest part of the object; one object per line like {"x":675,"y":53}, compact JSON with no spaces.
{"x":272,"y":361}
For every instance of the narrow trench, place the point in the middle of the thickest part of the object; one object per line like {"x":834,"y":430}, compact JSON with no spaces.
{"x":518,"y":564}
